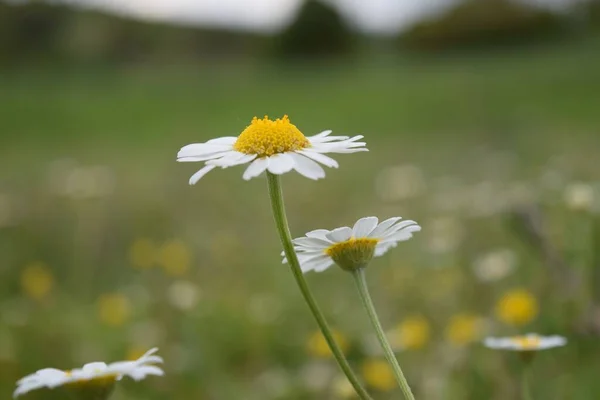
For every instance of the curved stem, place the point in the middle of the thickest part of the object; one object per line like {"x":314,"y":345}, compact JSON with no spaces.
{"x":363,"y":290}
{"x":278,"y":207}
{"x":525,"y":389}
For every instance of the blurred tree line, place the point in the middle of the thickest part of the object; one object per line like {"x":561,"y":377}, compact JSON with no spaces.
{"x":39,"y":31}
{"x":477,"y":23}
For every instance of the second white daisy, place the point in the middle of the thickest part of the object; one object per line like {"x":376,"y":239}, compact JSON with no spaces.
{"x":529,"y":342}
{"x":351,"y":248}
{"x":95,"y":375}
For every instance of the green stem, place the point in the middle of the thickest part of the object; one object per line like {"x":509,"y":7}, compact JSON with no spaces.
{"x":276,"y":195}
{"x":363,"y":290}
{"x":525,"y":389}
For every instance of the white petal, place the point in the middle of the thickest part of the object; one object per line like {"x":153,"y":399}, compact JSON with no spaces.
{"x":340,"y":234}
{"x":302,"y":254}
{"x":280,"y":163}
{"x":312,"y":242}
{"x":256,"y":168}
{"x":345,"y":146}
{"x":364,"y":226}
{"x":231,"y":159}
{"x":209,"y":156}
{"x":309,"y":266}
{"x":323,"y":265}
{"x":328,"y":139}
{"x":381,"y":249}
{"x":323,"y":159}
{"x":403,"y":235}
{"x":322,"y":134}
{"x":398,"y":227}
{"x":28,"y":387}
{"x":140,"y":373}
{"x":198,"y":175}
{"x":382,"y":227}
{"x":225,"y":140}
{"x":347,"y":150}
{"x":318,"y":233}
{"x":311,"y":258}
{"x":94,"y":367}
{"x":307,"y":167}
{"x":201,"y":149}
{"x":41,"y":374}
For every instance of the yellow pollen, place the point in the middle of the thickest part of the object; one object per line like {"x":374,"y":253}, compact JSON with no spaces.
{"x":265,"y":137}
{"x":353,"y":253}
{"x":527,"y":342}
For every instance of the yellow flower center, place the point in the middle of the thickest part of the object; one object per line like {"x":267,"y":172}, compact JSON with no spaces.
{"x":265,"y":137}
{"x":379,"y":375}
{"x":318,"y":347}
{"x":464,"y":329}
{"x":517,"y":307}
{"x":353,"y":253}
{"x":412,"y":333}
{"x":527,"y":342}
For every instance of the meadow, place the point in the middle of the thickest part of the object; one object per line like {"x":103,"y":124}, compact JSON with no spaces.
{"x":106,"y":251}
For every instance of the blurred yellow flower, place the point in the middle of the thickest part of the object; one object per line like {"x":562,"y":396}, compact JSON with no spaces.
{"x":412,"y":333}
{"x":342,"y":388}
{"x":114,"y":309}
{"x":318,"y":347}
{"x":142,"y":253}
{"x":517,"y":307}
{"x":464,"y":328}
{"x":37,"y":280}
{"x":175,"y":258}
{"x":379,"y":375}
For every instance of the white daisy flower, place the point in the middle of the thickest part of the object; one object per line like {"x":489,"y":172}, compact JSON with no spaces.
{"x":275,"y":146}
{"x":529,"y":342}
{"x":351,"y":248}
{"x":95,"y":373}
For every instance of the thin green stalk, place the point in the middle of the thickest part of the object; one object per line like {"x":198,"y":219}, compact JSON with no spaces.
{"x":363,"y":290}
{"x":276,"y":195}
{"x":525,"y":388}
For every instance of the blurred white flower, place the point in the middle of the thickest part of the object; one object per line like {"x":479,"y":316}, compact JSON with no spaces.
{"x":276,"y":381}
{"x":579,"y":196}
{"x":444,"y":234}
{"x":95,"y":372}
{"x":144,"y":333}
{"x":351,"y":248}
{"x":67,"y":178}
{"x":519,"y":193}
{"x":485,"y":199}
{"x":400,"y":182}
{"x":264,"y":308}
{"x":529,"y":342}
{"x":183,"y":295}
{"x":495,"y":265}
{"x":552,"y":179}
{"x":275,"y":146}
{"x":317,"y":375}
{"x":449,"y":194}
{"x":342,"y":388}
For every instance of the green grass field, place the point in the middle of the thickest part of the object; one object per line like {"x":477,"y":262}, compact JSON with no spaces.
{"x":105,"y":251}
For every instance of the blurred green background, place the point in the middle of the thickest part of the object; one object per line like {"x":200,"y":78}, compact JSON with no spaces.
{"x":482,"y":124}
